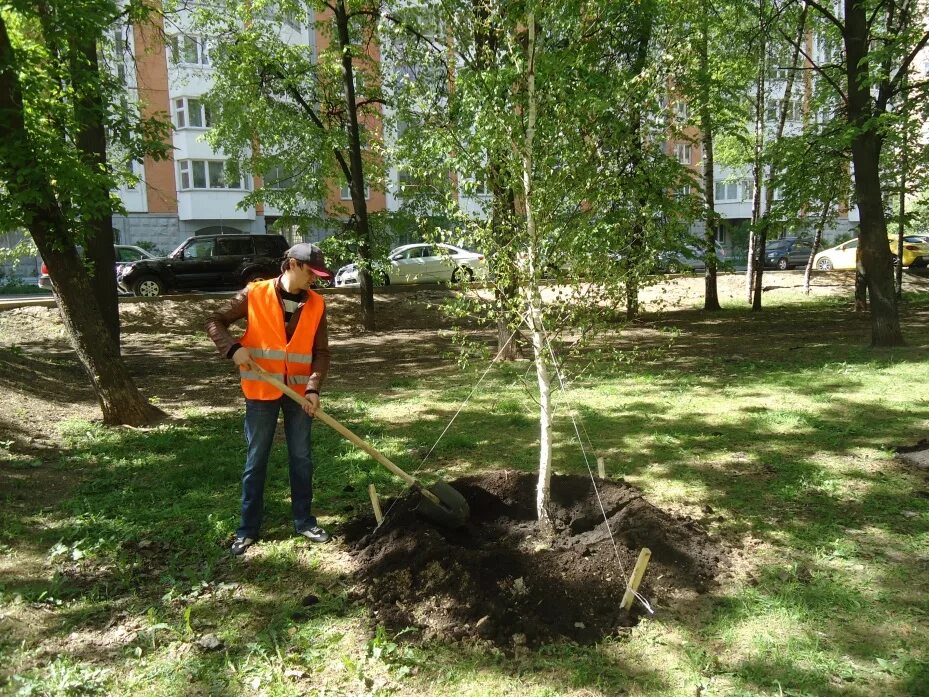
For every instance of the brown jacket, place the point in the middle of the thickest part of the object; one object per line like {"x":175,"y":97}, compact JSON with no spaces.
{"x":217,"y":327}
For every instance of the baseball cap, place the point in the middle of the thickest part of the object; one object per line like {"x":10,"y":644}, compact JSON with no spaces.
{"x":312,"y":256}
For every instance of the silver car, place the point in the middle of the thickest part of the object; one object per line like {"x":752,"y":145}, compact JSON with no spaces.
{"x":423,"y":262}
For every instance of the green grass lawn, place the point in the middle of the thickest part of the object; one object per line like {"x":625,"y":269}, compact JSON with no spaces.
{"x":776,"y":431}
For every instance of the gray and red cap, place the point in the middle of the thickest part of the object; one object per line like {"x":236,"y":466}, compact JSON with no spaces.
{"x":312,"y":256}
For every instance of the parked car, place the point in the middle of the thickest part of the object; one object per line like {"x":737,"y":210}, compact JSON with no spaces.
{"x":787,"y":253}
{"x":125,"y":254}
{"x":690,"y":258}
{"x":422,"y":263}
{"x":915,"y":250}
{"x":207,"y":262}
{"x":842,"y":257}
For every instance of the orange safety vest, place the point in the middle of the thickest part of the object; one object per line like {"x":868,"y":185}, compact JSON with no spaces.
{"x":291,"y":362}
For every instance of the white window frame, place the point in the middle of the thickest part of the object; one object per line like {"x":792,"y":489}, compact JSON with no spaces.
{"x":185,"y":108}
{"x":731,"y":191}
{"x":683,"y":152}
{"x":135,"y":172}
{"x":201,"y":46}
{"x":186,"y":172}
{"x":180,"y":113}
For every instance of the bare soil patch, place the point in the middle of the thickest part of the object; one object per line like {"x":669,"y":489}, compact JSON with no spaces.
{"x":495,"y":580}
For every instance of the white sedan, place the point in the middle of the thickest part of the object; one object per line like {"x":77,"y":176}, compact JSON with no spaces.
{"x":422,"y":263}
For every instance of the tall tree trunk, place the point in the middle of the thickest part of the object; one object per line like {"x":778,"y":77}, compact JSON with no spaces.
{"x":711,"y":293}
{"x":866,"y":155}
{"x":757,"y":162}
{"x":901,"y":219}
{"x":775,"y":167}
{"x":119,"y":399}
{"x":357,"y":182}
{"x":817,"y":240}
{"x":91,"y":141}
{"x":637,"y":240}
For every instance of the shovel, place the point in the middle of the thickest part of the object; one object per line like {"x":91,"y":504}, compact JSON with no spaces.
{"x":440,"y":503}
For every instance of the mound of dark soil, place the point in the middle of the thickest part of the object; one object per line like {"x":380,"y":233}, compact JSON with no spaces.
{"x":496,"y":580}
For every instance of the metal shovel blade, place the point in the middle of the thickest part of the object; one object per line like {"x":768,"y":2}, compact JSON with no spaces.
{"x":453,"y":512}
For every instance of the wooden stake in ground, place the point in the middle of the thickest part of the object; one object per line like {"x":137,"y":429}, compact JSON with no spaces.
{"x":636,"y":579}
{"x":375,"y":504}
{"x":601,"y":468}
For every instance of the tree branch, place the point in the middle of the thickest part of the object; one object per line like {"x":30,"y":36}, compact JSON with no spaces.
{"x":893,"y":85}
{"x":314,"y":117}
{"x":827,"y":14}
{"x":813,"y":64}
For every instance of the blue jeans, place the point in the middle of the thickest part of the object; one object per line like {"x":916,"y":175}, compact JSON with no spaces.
{"x":260,"y":424}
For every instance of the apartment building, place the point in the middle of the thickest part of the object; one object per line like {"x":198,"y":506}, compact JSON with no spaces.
{"x":168,"y":70}
{"x":189,"y":193}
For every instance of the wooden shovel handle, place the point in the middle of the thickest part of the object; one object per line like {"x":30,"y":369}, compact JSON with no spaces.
{"x":336,"y":426}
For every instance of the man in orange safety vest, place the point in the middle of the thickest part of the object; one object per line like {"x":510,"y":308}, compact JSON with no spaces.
{"x":286,"y":335}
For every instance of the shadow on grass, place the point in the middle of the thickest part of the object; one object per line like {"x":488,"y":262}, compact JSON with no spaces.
{"x":176,"y":489}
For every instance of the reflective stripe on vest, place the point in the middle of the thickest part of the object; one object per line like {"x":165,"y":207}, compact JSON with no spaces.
{"x":265,"y":338}
{"x":252,"y":375}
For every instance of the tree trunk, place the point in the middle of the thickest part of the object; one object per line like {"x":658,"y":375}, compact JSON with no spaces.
{"x":119,"y":399}
{"x":757,"y":165}
{"x":544,"y":485}
{"x":503,"y":205}
{"x":866,"y":153}
{"x":637,"y":240}
{"x":91,"y":141}
{"x":357,"y":182}
{"x":775,"y":166}
{"x":533,"y":297}
{"x":901,"y":223}
{"x":817,"y":240}
{"x":711,"y":294}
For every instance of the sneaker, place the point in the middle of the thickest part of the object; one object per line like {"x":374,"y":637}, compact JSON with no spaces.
{"x":240,"y":544}
{"x":316,"y":534}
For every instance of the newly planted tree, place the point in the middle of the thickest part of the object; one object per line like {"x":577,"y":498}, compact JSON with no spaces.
{"x":565,"y":120}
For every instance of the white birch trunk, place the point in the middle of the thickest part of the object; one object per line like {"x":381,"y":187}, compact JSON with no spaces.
{"x":534,"y":297}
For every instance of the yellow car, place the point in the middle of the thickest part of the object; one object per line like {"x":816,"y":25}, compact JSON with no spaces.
{"x":842,"y":257}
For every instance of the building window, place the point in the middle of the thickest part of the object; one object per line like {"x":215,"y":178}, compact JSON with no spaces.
{"x":190,"y":50}
{"x":682,"y":153}
{"x":346,"y":193}
{"x":727,"y":191}
{"x":208,"y":174}
{"x":682,"y":111}
{"x":180,"y":113}
{"x":191,"y":113}
{"x":292,"y":20}
{"x":121,"y":48}
{"x":794,"y":112}
{"x":278,"y":178}
{"x":135,"y":175}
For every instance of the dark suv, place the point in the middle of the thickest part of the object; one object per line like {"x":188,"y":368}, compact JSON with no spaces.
{"x":787,"y":253}
{"x":208,"y":262}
